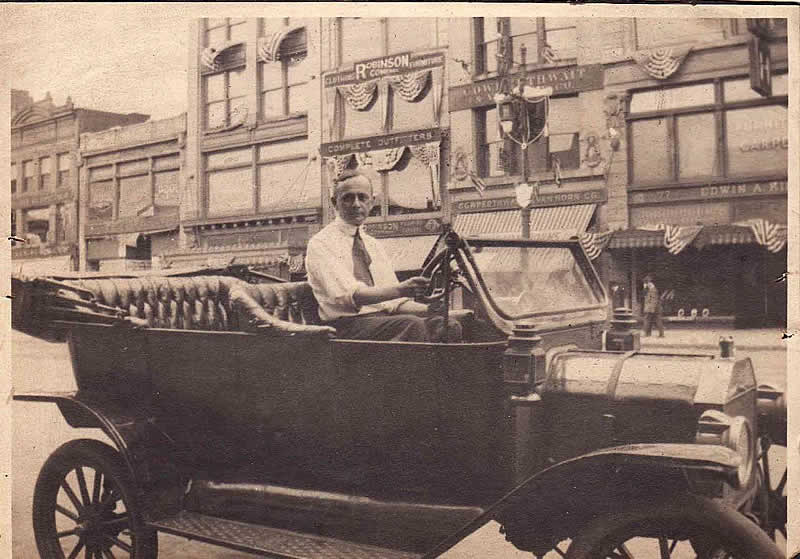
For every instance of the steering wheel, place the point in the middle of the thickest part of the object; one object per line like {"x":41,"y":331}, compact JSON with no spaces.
{"x":434,"y":270}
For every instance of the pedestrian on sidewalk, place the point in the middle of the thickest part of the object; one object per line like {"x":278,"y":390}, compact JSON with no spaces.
{"x":651,"y":307}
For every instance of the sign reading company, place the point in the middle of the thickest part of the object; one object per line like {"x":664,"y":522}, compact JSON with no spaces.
{"x":563,"y":80}
{"x":404,"y":228}
{"x":356,"y":145}
{"x":710,"y":192}
{"x":392,"y":65}
{"x":538,"y":200}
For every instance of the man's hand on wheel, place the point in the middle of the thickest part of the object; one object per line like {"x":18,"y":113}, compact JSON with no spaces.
{"x":413,"y":287}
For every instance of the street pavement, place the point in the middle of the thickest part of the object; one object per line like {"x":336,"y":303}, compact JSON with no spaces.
{"x":38,"y":429}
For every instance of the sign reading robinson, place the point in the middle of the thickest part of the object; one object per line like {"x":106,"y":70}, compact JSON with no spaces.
{"x":562,"y":80}
{"x":354,"y":145}
{"x":392,"y":65}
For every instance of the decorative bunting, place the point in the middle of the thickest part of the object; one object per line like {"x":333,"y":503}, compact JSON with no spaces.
{"x":359,"y":95}
{"x":662,"y":62}
{"x":770,"y":235}
{"x":380,"y":159}
{"x":208,"y":58}
{"x":429,"y":154}
{"x":337,"y":164}
{"x":410,"y":86}
{"x":437,"y":88}
{"x":594,"y":243}
{"x":331,"y":110}
{"x":476,"y":181}
{"x":269,"y":47}
{"x":678,"y":237}
{"x":384,"y":103}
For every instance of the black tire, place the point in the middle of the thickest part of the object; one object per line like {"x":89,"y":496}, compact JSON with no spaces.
{"x":679,"y":523}
{"x":91,"y":516}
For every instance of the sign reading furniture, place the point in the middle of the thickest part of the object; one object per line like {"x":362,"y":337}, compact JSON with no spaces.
{"x":562,"y":80}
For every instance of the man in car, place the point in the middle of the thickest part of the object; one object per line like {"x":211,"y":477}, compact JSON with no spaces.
{"x":353,"y":278}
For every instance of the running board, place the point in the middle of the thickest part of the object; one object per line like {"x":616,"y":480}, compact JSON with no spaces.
{"x":269,"y":542}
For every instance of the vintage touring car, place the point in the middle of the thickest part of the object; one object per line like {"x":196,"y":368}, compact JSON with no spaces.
{"x":237,"y":419}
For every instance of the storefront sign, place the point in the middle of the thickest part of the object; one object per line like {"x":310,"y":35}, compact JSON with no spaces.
{"x":41,"y":251}
{"x":404,"y":228}
{"x":370,"y":143}
{"x":133,"y":225}
{"x":392,"y":65}
{"x":710,"y":192}
{"x":538,"y":200}
{"x":707,"y":213}
{"x":36,"y":200}
{"x":563,"y":80}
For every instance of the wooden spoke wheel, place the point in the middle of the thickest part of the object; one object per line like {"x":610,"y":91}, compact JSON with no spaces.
{"x":84,"y":506}
{"x":687,"y":526}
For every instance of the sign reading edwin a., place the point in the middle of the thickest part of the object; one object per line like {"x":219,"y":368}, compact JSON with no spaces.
{"x":562,"y":80}
{"x":710,"y":192}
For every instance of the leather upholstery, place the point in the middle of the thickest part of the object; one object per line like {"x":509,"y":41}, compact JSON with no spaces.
{"x":206,"y":302}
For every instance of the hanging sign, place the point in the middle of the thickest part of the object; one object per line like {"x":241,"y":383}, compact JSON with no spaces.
{"x":392,"y":65}
{"x":565,"y":80}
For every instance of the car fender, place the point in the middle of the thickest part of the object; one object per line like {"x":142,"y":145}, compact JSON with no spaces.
{"x":132,"y":430}
{"x":556,"y":501}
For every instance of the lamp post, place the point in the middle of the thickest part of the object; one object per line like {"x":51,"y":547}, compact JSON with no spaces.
{"x":512,"y":108}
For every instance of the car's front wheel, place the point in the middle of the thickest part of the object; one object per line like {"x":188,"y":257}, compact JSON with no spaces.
{"x":682,"y":526}
{"x":84,"y":506}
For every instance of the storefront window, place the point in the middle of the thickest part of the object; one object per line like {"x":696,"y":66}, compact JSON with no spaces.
{"x":757,"y":140}
{"x":410,"y":187}
{"x":230,"y":192}
{"x":686,"y":120}
{"x":696,"y":139}
{"x":657,"y":32}
{"x":37,"y":224}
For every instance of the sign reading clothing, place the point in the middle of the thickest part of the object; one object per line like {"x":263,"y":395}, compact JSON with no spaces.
{"x":404,"y":228}
{"x":392,"y":65}
{"x":360,"y":145}
{"x":538,"y":200}
{"x":710,"y":192}
{"x":562,"y":80}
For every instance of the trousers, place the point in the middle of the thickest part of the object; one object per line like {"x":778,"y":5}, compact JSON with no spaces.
{"x":649,"y":318}
{"x":396,"y":327}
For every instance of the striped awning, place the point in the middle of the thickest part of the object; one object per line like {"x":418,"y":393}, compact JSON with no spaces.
{"x":636,"y":238}
{"x":708,"y":235}
{"x":552,"y":222}
{"x":408,"y":253}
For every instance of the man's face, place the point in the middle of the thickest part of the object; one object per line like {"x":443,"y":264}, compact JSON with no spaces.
{"x":353,"y":200}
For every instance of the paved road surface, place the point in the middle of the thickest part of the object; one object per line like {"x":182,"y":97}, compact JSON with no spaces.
{"x":39,"y":429}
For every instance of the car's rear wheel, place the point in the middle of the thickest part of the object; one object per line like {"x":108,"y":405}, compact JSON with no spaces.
{"x":684,"y":526}
{"x":84,"y":506}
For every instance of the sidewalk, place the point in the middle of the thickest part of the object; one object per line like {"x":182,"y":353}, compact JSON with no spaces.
{"x":707,"y":339}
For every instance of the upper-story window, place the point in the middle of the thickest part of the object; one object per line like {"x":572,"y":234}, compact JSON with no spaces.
{"x":361,"y":38}
{"x":63,"y":170}
{"x":37,"y":225}
{"x":718,"y":129}
{"x":547,"y":40}
{"x":559,"y":148}
{"x":220,"y":30}
{"x":29,"y":178}
{"x":225,"y":89}
{"x":13,"y":172}
{"x":284,"y":78}
{"x":45,"y":173}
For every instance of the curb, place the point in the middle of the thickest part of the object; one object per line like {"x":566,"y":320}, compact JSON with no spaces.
{"x":715,"y":347}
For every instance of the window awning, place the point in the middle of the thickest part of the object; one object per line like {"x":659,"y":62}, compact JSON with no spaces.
{"x":408,"y":253}
{"x":708,"y":235}
{"x":637,"y":238}
{"x":552,"y":222}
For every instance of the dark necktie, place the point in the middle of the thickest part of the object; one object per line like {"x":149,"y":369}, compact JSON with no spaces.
{"x":361,"y":260}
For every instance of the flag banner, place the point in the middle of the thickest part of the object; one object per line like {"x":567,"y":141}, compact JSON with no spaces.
{"x":594,"y":243}
{"x":662,"y":62}
{"x":773,"y":236}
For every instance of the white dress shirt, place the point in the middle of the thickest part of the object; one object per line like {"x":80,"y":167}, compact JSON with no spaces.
{"x":329,"y":263}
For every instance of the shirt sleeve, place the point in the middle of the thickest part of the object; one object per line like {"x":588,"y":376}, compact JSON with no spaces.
{"x":382,"y":265}
{"x":330,"y":277}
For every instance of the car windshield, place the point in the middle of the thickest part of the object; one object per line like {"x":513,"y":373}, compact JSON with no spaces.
{"x":532,"y":280}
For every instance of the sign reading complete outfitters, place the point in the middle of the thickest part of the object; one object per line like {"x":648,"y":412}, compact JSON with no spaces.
{"x":392,"y":65}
